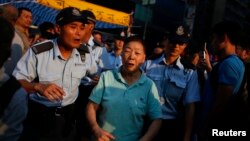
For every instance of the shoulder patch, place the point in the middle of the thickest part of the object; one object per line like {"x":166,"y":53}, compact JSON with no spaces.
{"x":83,"y":49}
{"x":42,"y":47}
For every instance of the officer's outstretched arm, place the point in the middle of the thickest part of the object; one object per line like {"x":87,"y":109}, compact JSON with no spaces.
{"x":50,"y":91}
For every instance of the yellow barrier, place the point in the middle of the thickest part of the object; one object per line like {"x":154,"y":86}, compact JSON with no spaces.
{"x":101,"y":13}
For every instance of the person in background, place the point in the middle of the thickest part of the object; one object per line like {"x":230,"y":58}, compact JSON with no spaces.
{"x":178,"y":87}
{"x":13,"y":98}
{"x":51,"y":72}
{"x":47,"y":30}
{"x":98,"y":37}
{"x":10,"y":13}
{"x":23,"y":23}
{"x":157,"y":52}
{"x":221,"y":89}
{"x":34,"y":35}
{"x":243,"y":52}
{"x":109,"y":45}
{"x":123,"y":98}
{"x":114,"y":60}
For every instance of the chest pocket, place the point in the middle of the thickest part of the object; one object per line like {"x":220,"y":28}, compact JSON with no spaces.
{"x":175,"y":89}
{"x":159,"y":82}
{"x":77,"y":76}
{"x":50,"y":78}
{"x":78,"y":72}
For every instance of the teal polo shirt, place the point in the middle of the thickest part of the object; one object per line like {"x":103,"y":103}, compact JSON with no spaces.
{"x":124,"y":107}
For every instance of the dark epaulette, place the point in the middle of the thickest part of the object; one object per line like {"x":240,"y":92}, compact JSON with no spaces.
{"x":97,"y":43}
{"x":83,"y":49}
{"x":42,"y":47}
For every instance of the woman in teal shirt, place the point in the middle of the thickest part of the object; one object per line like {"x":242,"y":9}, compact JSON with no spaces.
{"x":123,"y":98}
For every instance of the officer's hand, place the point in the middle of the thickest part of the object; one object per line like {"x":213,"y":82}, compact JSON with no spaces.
{"x":102,"y":135}
{"x":50,"y":91}
{"x":95,"y":79}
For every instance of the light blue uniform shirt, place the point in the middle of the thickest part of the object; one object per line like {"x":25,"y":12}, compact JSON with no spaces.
{"x":124,"y":107}
{"x":112,"y":61}
{"x":50,"y":67}
{"x":95,"y":57}
{"x":176,"y":85}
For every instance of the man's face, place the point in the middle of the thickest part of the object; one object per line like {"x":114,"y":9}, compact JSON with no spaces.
{"x":133,"y":56}
{"x":217,"y":43}
{"x":71,"y":34}
{"x":25,"y":19}
{"x":98,"y":37}
{"x":243,"y":53}
{"x":119,"y":44}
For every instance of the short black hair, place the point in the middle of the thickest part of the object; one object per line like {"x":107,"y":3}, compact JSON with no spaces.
{"x":21,"y":9}
{"x":135,"y":39}
{"x":230,"y":28}
{"x":6,"y":37}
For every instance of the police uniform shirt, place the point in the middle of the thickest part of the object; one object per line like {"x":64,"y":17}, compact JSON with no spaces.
{"x":50,"y":67}
{"x":95,"y":57}
{"x":112,"y":61}
{"x":177,"y":85}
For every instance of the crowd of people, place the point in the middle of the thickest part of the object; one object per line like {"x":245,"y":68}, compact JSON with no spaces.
{"x":66,"y":84}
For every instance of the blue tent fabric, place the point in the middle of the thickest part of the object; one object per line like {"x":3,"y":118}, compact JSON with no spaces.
{"x":43,"y":13}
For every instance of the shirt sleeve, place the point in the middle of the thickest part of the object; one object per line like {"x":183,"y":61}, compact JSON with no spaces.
{"x":26,"y":67}
{"x":228,"y":77}
{"x":98,"y":91}
{"x":193,"y":89}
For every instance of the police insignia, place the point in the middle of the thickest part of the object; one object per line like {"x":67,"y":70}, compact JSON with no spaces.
{"x":180,"y":30}
{"x":76,"y":12}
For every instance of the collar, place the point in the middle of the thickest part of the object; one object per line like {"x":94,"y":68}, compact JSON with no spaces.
{"x":118,"y":76}
{"x":57,"y":52}
{"x":90,"y":41}
{"x":177,"y":63}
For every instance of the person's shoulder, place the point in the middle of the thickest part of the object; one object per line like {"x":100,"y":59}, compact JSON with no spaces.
{"x":232,"y":60}
{"x":42,"y":46}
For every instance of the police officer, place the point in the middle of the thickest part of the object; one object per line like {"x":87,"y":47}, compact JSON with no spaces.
{"x":51,"y":72}
{"x":178,"y":87}
{"x":94,"y":55}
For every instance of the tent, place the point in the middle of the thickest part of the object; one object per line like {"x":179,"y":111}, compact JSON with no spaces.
{"x":42,"y":12}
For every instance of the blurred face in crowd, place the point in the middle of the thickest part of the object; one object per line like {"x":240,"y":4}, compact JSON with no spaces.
{"x":71,"y":34}
{"x":158,"y":50}
{"x":217,"y":43}
{"x":243,"y":53}
{"x":119,"y":44}
{"x":88,"y":31}
{"x":175,"y":48}
{"x":98,"y":37}
{"x":133,"y":56}
{"x":25,"y":19}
